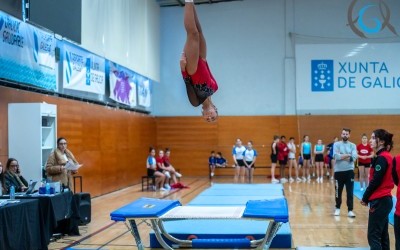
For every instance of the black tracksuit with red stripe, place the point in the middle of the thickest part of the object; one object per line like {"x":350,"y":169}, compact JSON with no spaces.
{"x":378,"y":195}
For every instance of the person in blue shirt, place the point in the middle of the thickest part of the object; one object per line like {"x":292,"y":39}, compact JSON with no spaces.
{"x":220,"y":162}
{"x":211,"y":163}
{"x":249,"y":156}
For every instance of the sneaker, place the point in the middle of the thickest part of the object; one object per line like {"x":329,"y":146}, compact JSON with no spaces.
{"x":274,"y":180}
{"x":318,"y":180}
{"x":163,"y":189}
{"x":308,"y":178}
{"x":351,"y":214}
{"x":332,"y":178}
{"x":283,"y":180}
{"x":298,"y":179}
{"x":327,"y":174}
{"x":178,"y":175}
{"x":167,"y":187}
{"x":291,"y":180}
{"x":337,"y":212}
{"x":304,"y":179}
{"x":212,"y":174}
{"x":167,"y":174}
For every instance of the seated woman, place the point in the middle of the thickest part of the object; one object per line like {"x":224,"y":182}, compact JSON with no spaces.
{"x":153,"y":171}
{"x":2,"y":181}
{"x":13,"y":177}
{"x":220,"y":162}
{"x":55,"y":167}
{"x":163,"y":169}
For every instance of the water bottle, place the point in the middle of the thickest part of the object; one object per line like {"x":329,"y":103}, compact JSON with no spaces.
{"x":1,"y":189}
{"x":12,"y":193}
{"x":47,"y":188}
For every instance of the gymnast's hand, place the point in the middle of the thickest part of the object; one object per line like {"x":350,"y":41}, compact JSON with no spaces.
{"x":182,"y":62}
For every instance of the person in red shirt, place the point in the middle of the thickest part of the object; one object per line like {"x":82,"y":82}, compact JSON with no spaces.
{"x":379,"y":192}
{"x":396,"y":176}
{"x":200,"y":83}
{"x":365,"y":154}
{"x":283,"y":153}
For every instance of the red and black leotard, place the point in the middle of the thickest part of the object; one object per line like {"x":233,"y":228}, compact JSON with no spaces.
{"x":201,"y":84}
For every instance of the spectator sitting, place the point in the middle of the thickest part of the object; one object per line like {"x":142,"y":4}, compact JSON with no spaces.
{"x":13,"y":177}
{"x":211,"y":162}
{"x":153,"y":171}
{"x":220,"y":162}
{"x":169,"y":167}
{"x":2,"y":180}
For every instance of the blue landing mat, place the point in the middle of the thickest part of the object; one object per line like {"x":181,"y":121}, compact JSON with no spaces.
{"x":231,"y":186}
{"x":224,"y":229}
{"x":359,"y":194}
{"x":227,"y":200}
{"x":241,"y":192}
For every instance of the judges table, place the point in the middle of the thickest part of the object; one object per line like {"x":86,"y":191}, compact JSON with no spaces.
{"x":57,"y":214}
{"x":20,"y":226}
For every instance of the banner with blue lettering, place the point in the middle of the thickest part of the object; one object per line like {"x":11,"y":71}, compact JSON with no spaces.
{"x":335,"y":78}
{"x":123,"y":85}
{"x":82,"y":70}
{"x":26,"y":54}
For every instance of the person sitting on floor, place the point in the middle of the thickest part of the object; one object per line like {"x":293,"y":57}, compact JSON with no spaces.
{"x":220,"y":162}
{"x":13,"y":178}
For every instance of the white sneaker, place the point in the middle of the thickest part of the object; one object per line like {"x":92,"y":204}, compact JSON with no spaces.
{"x":291,"y":180}
{"x":163,"y":189}
{"x":178,"y":175}
{"x":167,"y":174}
{"x":298,"y":179}
{"x":304,"y":179}
{"x":167,"y":187}
{"x":337,"y":212}
{"x":212,"y":174}
{"x":332,"y":178}
{"x":274,"y":180}
{"x":283,"y":180}
{"x":351,"y":214}
{"x":308,"y":178}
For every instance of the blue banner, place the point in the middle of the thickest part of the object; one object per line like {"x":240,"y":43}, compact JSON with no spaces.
{"x":83,"y":70}
{"x":26,"y":54}
{"x":123,"y":84}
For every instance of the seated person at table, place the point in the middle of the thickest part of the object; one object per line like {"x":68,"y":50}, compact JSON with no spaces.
{"x":2,"y":180}
{"x":55,"y":167}
{"x":13,"y":177}
{"x":211,"y":163}
{"x":152,"y":170}
{"x":220,"y":162}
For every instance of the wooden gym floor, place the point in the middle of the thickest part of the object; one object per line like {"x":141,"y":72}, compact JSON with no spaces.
{"x":311,"y":208}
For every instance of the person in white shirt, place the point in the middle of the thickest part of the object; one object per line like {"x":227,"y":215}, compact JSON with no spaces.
{"x":292,"y":160}
{"x":250,"y":156}
{"x":237,"y":154}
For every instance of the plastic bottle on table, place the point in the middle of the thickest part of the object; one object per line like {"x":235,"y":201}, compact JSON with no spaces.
{"x":12,"y":193}
{"x":47,"y":188}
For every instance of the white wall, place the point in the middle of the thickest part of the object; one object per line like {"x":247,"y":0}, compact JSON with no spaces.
{"x":251,"y":53}
{"x":124,"y":31}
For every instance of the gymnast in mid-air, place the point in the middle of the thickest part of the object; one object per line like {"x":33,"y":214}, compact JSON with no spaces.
{"x":200,"y":83}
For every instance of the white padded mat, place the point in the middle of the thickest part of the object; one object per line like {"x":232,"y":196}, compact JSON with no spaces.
{"x":193,"y":212}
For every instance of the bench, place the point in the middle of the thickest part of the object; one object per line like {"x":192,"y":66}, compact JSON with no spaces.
{"x":228,"y":171}
{"x":148,"y":182}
